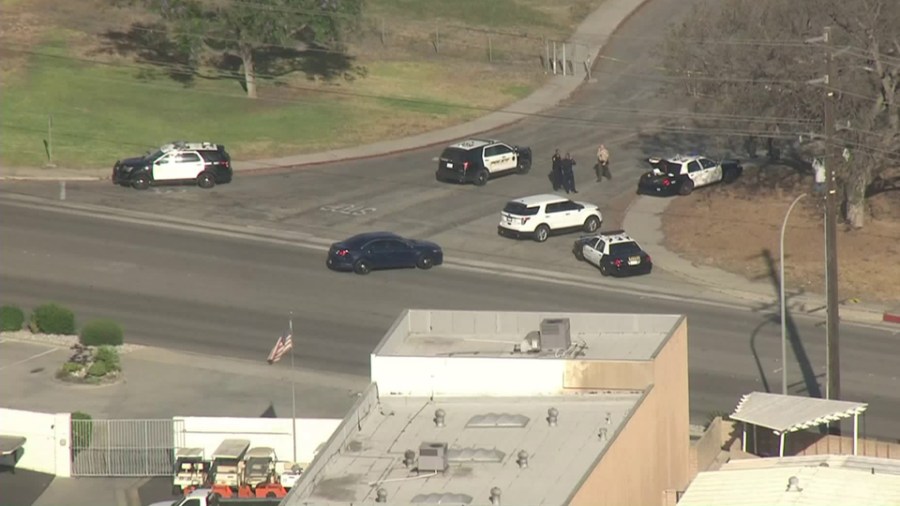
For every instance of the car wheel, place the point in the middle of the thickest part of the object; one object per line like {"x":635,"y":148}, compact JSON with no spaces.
{"x":686,"y":187}
{"x":206,"y":180}
{"x":591,"y":224}
{"x":425,"y":262}
{"x":541,"y":233}
{"x":604,"y":270}
{"x":141,"y":182}
{"x":481,"y":178}
{"x":579,"y":254}
{"x":362,"y":267}
{"x":524,"y":166}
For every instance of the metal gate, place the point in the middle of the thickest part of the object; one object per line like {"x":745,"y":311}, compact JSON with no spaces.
{"x":125,"y":447}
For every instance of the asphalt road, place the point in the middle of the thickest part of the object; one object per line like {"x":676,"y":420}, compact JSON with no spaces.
{"x":196,"y":291}
{"x":399,"y":192}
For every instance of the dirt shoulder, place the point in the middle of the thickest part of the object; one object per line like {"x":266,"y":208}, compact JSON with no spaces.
{"x":737,"y":228}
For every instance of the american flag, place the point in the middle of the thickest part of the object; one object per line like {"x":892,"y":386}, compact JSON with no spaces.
{"x":282,"y":346}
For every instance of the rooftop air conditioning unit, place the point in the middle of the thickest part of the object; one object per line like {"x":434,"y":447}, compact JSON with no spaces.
{"x":556,"y":334}
{"x":432,"y":457}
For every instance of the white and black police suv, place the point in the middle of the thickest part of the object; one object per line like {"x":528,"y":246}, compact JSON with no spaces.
{"x":202,"y":163}
{"x":615,"y":253}
{"x":477,"y":160}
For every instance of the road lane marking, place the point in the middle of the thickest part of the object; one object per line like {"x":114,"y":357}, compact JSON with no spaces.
{"x":311,"y":242}
{"x":20,"y":362}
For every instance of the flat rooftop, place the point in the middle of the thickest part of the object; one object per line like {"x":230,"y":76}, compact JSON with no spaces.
{"x":815,"y":480}
{"x":599,"y":336}
{"x":484,"y":437}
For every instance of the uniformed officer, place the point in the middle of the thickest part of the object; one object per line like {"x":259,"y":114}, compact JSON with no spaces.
{"x":556,"y":177}
{"x":568,"y":170}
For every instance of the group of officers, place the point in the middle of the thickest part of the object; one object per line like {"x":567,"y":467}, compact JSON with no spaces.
{"x":562,"y":174}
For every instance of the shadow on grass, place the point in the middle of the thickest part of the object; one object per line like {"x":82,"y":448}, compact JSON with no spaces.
{"x":151,"y":44}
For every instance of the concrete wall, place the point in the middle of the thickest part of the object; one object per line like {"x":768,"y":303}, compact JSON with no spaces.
{"x":208,"y":433}
{"x":47,"y":447}
{"x":649,"y":457}
{"x":466,"y":376}
{"x":608,"y":374}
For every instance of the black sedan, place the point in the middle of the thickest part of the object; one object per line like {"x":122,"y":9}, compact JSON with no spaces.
{"x":382,"y":250}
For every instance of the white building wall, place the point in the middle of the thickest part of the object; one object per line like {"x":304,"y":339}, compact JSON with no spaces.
{"x":208,"y":433}
{"x":47,"y":447}
{"x":467,"y":376}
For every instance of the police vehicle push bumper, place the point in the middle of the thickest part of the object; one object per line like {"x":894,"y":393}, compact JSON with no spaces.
{"x":620,"y":267}
{"x":454,"y":175}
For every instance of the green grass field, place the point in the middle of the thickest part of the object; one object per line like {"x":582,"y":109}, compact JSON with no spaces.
{"x":105,"y":110}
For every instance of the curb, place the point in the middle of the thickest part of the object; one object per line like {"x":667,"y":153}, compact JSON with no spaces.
{"x":559,"y":90}
{"x":891,"y":317}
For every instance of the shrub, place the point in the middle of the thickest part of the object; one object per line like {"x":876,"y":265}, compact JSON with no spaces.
{"x":82,"y":431}
{"x":11,"y":318}
{"x":109,"y":356}
{"x":101,"y":332}
{"x":97,"y":369}
{"x":70,"y":367}
{"x":53,"y":319}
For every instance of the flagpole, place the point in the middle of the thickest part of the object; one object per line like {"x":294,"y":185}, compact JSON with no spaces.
{"x":293,"y":388}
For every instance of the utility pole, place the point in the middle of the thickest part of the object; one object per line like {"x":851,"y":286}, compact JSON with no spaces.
{"x":833,"y":387}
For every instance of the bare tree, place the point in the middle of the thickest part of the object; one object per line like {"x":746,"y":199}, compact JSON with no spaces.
{"x":746,"y":66}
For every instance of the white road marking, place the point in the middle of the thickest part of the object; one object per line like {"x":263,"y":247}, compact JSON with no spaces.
{"x":20,"y":362}
{"x":311,"y":242}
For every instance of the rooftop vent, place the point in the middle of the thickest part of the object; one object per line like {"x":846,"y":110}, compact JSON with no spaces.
{"x":442,"y":499}
{"x":475,"y":455}
{"x":495,"y":496}
{"x":381,"y":495}
{"x":793,"y":485}
{"x":522,"y":459}
{"x":531,"y":343}
{"x":432,"y":457}
{"x":552,"y":417}
{"x":497,"y":420}
{"x":439,"y":416}
{"x":556,"y":334}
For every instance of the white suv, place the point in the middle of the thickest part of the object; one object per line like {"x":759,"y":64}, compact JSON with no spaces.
{"x":538,"y":216}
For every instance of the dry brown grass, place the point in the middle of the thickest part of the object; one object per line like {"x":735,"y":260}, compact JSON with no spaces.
{"x":729,"y":228}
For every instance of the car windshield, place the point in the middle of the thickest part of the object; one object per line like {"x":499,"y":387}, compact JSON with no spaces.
{"x":153,"y":156}
{"x":622,"y":249}
{"x":454,"y":155}
{"x":519,"y":209}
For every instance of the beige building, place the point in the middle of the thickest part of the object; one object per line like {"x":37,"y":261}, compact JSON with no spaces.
{"x":479,"y":407}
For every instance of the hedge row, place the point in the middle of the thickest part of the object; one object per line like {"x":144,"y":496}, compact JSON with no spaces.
{"x":55,"y":319}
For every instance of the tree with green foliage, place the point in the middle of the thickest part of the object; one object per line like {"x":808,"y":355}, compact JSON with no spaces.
{"x":750,"y":67}
{"x":244,"y":27}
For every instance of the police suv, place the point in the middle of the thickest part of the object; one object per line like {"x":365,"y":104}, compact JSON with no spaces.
{"x":202,"y":163}
{"x":614,"y":253}
{"x":477,"y":160}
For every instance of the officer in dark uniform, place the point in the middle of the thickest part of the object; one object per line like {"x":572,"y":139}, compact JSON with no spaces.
{"x":556,"y":178}
{"x":568,"y":170}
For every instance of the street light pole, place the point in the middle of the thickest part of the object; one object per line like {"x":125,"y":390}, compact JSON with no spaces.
{"x":784,"y":381}
{"x":833,"y":383}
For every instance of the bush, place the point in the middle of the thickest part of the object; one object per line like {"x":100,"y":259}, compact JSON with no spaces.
{"x":71,"y":367}
{"x":101,"y":332}
{"x":82,"y":431}
{"x":97,"y":369}
{"x":53,"y":319}
{"x":11,"y":318}
{"x":109,"y":357}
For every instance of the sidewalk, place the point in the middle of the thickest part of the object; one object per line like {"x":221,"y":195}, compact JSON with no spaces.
{"x":593,"y":33}
{"x":643,"y":220}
